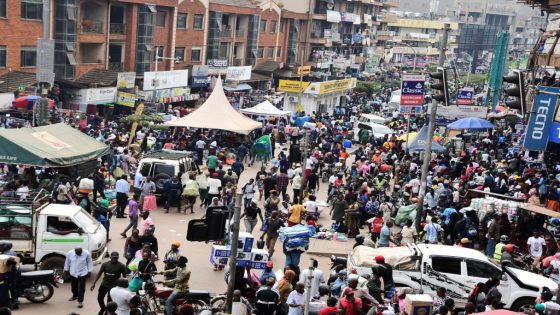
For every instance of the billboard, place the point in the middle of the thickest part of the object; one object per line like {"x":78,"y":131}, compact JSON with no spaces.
{"x":165,"y":79}
{"x":125,"y":80}
{"x":412,"y":93}
{"x":238,"y":73}
{"x":292,"y":86}
{"x":449,"y":114}
{"x":465,"y":96}
{"x":540,"y":121}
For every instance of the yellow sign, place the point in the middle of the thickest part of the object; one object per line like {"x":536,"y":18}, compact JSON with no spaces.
{"x":305,"y":70}
{"x":138,"y":112}
{"x":126,"y":99}
{"x":292,"y":86}
{"x":423,"y":24}
{"x":335,"y":86}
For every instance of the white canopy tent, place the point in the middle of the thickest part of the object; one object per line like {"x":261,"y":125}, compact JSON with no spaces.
{"x":217,"y":113}
{"x":265,"y":109}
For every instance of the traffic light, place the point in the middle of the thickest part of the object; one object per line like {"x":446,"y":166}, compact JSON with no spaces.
{"x":517,"y":91}
{"x":441,"y":86}
{"x":42,"y":112}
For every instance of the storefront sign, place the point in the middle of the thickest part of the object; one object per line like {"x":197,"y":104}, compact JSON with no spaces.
{"x":292,"y":86}
{"x":238,"y":73}
{"x":449,"y":114}
{"x":367,"y":19}
{"x":341,"y":63}
{"x":165,"y":79}
{"x":333,"y":16}
{"x":96,"y":95}
{"x":200,"y":71}
{"x":540,"y":121}
{"x":330,"y":86}
{"x":145,"y":95}
{"x":125,"y":80}
{"x":180,"y":91}
{"x":126,"y":99}
{"x":346,"y":17}
{"x":347,"y":39}
{"x":412,"y":90}
{"x":221,"y":63}
{"x":356,"y":19}
{"x":162,"y":93}
{"x":305,"y":70}
{"x":465,"y":96}
{"x":554,"y":133}
{"x":199,"y":81}
{"x":371,"y":67}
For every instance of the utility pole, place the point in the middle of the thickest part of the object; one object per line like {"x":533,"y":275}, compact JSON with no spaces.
{"x":431,"y":127}
{"x":308,"y":287}
{"x":233,"y":248}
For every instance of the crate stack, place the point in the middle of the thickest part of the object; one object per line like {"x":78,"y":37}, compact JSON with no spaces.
{"x":247,"y":256}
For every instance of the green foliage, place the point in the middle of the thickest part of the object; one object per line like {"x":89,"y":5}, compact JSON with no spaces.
{"x":143,"y":119}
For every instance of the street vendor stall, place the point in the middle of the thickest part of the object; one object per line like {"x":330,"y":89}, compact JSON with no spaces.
{"x":57,"y":145}
{"x":265,"y":109}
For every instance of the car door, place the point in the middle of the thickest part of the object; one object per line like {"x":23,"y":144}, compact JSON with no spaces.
{"x":448,"y":272}
{"x":480,"y":271}
{"x":62,"y":234}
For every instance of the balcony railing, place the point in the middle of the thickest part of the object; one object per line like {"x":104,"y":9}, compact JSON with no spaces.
{"x":116,"y":66}
{"x":317,"y":34}
{"x":117,"y":28}
{"x":226,"y":34}
{"x":240,"y":33}
{"x":92,"y":27}
{"x":237,"y":62}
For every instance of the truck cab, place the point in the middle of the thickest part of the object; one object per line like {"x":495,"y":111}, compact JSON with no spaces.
{"x":43,"y":235}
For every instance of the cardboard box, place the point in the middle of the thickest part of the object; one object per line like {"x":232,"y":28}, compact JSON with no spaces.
{"x":259,"y":258}
{"x":4,"y":262}
{"x":245,"y":243}
{"x":418,"y":304}
{"x":219,"y":254}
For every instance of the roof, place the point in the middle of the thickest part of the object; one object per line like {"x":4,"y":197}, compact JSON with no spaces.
{"x":257,"y":77}
{"x":60,"y":209}
{"x":11,"y":81}
{"x":268,"y":66}
{"x":454,"y":251}
{"x":167,"y":155}
{"x":217,"y":113}
{"x":57,"y":145}
{"x":265,"y":108}
{"x":99,"y":77}
{"x":236,"y":3}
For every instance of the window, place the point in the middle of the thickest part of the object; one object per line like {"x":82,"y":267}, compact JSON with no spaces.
{"x":32,"y":9}
{"x":270,"y":52}
{"x":28,"y":57}
{"x":3,"y":57}
{"x":182,"y":20}
{"x":61,"y":225}
{"x":71,"y":58}
{"x":279,"y":51}
{"x":263,"y":26}
{"x":180,"y":54}
{"x":481,"y":269}
{"x":151,"y":8}
{"x":160,"y":18}
{"x":447,"y":265}
{"x":198,"y":21}
{"x":3,"y":8}
{"x":282,"y":26}
{"x":260,"y":52}
{"x":349,"y":7}
{"x":196,"y":53}
{"x":159,"y":52}
{"x":273,"y":25}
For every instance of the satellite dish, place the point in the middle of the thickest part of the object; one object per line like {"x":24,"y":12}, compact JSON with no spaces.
{"x":330,"y":5}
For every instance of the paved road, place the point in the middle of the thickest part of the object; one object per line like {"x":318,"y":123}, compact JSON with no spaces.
{"x":169,"y":227}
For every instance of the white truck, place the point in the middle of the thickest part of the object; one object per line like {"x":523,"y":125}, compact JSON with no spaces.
{"x":42,"y":234}
{"x":457,"y":269}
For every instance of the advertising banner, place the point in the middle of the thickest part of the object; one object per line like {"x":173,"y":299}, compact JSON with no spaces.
{"x":347,"y":39}
{"x":96,"y":95}
{"x":412,"y":90}
{"x":238,"y":73}
{"x":465,"y":96}
{"x":449,"y":114}
{"x":554,"y":133}
{"x":540,"y":121}
{"x":199,"y":81}
{"x":126,"y":99}
{"x":165,"y":79}
{"x":292,"y":86}
{"x":200,"y":71}
{"x":125,"y":80}
{"x":333,"y":16}
{"x":222,"y":63}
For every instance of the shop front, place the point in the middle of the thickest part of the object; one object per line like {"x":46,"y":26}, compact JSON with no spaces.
{"x":320,"y":97}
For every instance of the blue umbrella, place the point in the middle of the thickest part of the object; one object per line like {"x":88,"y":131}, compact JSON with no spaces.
{"x":471,"y":123}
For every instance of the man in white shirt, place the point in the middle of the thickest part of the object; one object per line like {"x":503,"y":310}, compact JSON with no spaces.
{"x":121,"y":187}
{"x":315,"y":282}
{"x":214,"y":186}
{"x":296,"y":300}
{"x":121,"y":295}
{"x":415,"y":183}
{"x":536,"y":243}
{"x":77,"y":267}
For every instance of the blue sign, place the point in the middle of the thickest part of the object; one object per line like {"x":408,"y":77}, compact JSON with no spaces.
{"x":465,"y":96}
{"x":412,"y":90}
{"x":540,"y":121}
{"x":200,"y":81}
{"x":554,"y":133}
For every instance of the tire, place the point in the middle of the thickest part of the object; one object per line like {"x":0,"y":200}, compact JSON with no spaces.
{"x":47,"y":293}
{"x":160,"y":180}
{"x":55,"y":263}
{"x":219,"y":303}
{"x":522,"y":302}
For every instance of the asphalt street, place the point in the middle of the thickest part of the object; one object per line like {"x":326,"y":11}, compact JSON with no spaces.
{"x":169,"y":227}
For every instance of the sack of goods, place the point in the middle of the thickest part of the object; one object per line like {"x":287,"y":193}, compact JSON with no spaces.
{"x":296,"y":237}
{"x":85,"y":186}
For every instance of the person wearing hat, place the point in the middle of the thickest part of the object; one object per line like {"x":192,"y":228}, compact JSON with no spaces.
{"x":464,"y":242}
{"x":111,"y":270}
{"x":349,"y":304}
{"x":180,"y":277}
{"x":170,"y":258}
{"x":386,"y":272}
{"x":268,"y":272}
{"x":267,"y":298}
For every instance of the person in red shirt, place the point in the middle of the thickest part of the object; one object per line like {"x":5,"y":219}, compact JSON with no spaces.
{"x":331,"y":308}
{"x":376,"y":225}
{"x":349,"y":304}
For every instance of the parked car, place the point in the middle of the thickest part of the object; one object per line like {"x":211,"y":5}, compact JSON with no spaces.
{"x":375,"y":130}
{"x":162,"y":165}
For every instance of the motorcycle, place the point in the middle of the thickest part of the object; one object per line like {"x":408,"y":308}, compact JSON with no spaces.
{"x":36,"y":286}
{"x":154,"y":299}
{"x":326,"y":172}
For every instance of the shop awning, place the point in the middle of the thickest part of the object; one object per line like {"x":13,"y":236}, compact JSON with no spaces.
{"x":239,"y":87}
{"x":57,"y":145}
{"x":257,"y":77}
{"x":540,"y":210}
{"x":265,"y":109}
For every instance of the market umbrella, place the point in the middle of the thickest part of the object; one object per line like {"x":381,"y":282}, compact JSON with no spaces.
{"x":26,"y":102}
{"x":420,"y":142}
{"x":500,"y":108}
{"x":471,"y":123}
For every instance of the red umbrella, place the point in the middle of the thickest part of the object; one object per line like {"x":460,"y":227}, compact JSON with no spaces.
{"x":26,"y":102}
{"x":500,"y":108}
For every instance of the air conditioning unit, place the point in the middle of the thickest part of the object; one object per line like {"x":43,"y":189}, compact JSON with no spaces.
{"x":292,"y":99}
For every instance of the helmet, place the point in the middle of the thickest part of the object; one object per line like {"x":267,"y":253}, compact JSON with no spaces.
{"x":324,"y":290}
{"x":508,"y":248}
{"x":176,"y":243}
{"x":504,"y":238}
{"x":555,"y":221}
{"x":379,"y":258}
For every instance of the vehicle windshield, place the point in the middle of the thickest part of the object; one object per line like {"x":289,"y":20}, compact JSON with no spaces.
{"x":89,"y":224}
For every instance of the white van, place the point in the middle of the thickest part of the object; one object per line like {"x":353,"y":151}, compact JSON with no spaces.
{"x":370,"y":118}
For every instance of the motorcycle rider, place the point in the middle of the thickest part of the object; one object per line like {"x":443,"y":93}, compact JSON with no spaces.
{"x":180,"y":283}
{"x":6,"y":249}
{"x":171,"y":257}
{"x":507,"y":256}
{"x":386,"y":273}
{"x":504,"y":239}
{"x":368,"y":301}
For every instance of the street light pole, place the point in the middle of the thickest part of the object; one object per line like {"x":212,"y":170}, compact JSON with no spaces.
{"x":415,"y":55}
{"x":233,"y":249}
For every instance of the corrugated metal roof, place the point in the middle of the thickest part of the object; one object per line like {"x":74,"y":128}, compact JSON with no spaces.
{"x":236,"y":3}
{"x":99,"y":77}
{"x":9,"y":82}
{"x":268,"y":66}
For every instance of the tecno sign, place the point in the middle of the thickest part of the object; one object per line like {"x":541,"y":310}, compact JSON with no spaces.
{"x":540,"y":121}
{"x":541,"y":117}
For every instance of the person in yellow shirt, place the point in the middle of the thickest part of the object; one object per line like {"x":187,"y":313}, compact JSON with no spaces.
{"x":296,"y":211}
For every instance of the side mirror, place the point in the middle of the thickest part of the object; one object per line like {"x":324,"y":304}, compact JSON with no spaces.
{"x":504,"y":277}
{"x":80,"y":231}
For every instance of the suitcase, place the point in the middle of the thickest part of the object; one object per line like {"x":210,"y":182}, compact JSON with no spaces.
{"x":197,"y":231}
